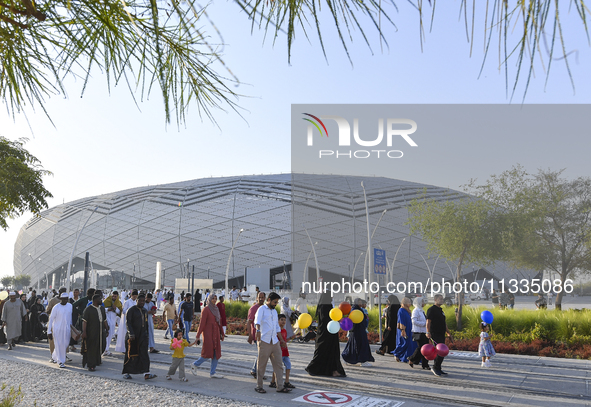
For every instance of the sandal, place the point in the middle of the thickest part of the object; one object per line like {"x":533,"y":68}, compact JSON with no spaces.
{"x":168,"y":377}
{"x":184,"y":379}
{"x":91,"y":369}
{"x":149,"y":376}
{"x":411,"y":364}
{"x":260,"y":390}
{"x":284,"y":390}
{"x":289,"y":385}
{"x":379,"y":352}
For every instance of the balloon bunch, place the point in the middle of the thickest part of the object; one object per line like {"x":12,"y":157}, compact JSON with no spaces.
{"x":343,"y":318}
{"x":176,"y":344}
{"x":431,"y":351}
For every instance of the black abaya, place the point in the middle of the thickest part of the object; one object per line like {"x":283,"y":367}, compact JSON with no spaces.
{"x":327,"y":354}
{"x":389,"y":339}
{"x":137,"y":359}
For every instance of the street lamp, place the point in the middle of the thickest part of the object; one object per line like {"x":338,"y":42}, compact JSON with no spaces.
{"x":74,"y":249}
{"x":393,"y":261}
{"x":315,"y":259}
{"x":229,"y":258}
{"x":306,"y":265}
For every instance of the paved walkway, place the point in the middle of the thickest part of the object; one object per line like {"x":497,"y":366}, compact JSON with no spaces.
{"x":513,"y":380}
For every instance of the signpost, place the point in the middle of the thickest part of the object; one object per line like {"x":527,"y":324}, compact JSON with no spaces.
{"x":379,"y":268}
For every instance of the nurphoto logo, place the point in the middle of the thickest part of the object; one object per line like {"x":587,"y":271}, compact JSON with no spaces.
{"x":344,"y":136}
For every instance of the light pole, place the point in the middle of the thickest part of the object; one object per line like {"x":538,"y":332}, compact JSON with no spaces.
{"x":315,"y":259}
{"x":230,"y":258}
{"x":74,"y":249}
{"x":353,"y":274}
{"x":306,"y":265}
{"x":46,"y":282}
{"x":370,"y":252}
{"x":393,"y":261}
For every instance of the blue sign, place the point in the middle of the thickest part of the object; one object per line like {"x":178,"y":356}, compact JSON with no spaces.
{"x":379,"y":261}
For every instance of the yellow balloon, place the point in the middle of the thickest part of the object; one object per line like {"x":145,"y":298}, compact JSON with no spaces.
{"x":335,"y":314}
{"x":304,"y":321}
{"x":356,"y":316}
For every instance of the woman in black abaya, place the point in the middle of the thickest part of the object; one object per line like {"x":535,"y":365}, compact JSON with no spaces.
{"x":327,"y":354}
{"x":389,"y":340}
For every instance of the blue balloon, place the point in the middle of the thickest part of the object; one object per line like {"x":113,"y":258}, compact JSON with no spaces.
{"x":333,"y":327}
{"x":487,"y":316}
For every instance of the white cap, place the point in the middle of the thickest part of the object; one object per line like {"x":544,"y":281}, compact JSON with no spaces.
{"x":64,"y":295}
{"x":12,"y":293}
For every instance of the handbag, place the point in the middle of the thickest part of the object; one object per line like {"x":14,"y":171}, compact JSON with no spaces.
{"x":74,"y":333}
{"x":416,"y":336}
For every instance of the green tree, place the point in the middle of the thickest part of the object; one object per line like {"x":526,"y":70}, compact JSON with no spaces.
{"x":7,"y":281}
{"x":22,"y":281}
{"x":551,"y":217}
{"x":21,"y":184}
{"x":158,"y":44}
{"x":463,"y":230}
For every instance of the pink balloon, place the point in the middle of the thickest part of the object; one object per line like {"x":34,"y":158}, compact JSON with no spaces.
{"x":429,"y":351}
{"x":442,"y":350}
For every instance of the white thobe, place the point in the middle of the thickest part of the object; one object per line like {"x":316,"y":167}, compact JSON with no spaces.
{"x":112,"y":321}
{"x":120,"y":347}
{"x":60,"y":320}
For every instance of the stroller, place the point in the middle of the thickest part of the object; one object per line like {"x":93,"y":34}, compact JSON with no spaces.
{"x":310,"y":335}
{"x":43,"y":320}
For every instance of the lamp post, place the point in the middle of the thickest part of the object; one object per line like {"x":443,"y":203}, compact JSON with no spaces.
{"x":315,"y":258}
{"x":229,"y":258}
{"x":46,"y":282}
{"x":353,"y":274}
{"x":393,"y":261}
{"x":74,"y":249}
{"x":306,"y":265}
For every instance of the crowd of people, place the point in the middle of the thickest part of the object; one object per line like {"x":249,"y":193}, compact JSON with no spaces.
{"x":96,"y":319}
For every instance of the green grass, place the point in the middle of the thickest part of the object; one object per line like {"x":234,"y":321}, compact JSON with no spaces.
{"x":514,"y":325}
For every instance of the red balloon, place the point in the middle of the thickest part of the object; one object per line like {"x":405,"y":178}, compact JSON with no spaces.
{"x":442,"y":349}
{"x":345,"y":308}
{"x":429,"y":351}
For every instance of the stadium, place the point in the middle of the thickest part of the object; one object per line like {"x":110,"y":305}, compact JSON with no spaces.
{"x":286,"y":225}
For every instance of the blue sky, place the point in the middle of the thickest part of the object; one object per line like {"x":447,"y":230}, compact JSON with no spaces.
{"x":103,"y":143}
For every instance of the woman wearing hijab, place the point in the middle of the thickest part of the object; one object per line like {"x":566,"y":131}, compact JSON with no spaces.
{"x":286,"y":310}
{"x":327,"y":354}
{"x":25,"y":330}
{"x":404,"y":344}
{"x":419,"y":331}
{"x":197,"y":301}
{"x":357,"y":349}
{"x":36,"y":309}
{"x":211,"y":329}
{"x":389,"y":339}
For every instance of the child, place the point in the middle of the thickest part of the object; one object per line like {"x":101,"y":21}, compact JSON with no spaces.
{"x":178,"y":357}
{"x":285,"y":353}
{"x":485,"y":348}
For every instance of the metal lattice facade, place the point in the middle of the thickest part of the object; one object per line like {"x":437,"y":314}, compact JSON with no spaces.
{"x":200,"y":219}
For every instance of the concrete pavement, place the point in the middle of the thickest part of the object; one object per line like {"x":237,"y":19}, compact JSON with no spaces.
{"x":513,"y":381}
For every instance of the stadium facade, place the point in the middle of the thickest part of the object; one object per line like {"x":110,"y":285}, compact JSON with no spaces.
{"x":193,"y":225}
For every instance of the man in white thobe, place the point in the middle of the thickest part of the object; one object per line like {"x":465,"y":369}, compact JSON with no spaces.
{"x":122,"y":330}
{"x":12,"y":316}
{"x":59,"y":329}
{"x":113,"y":307}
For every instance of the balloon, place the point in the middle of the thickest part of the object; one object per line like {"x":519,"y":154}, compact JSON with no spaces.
{"x":356,"y":316}
{"x":176,"y":344}
{"x":345,"y":308}
{"x":487,"y":316}
{"x":429,"y":351}
{"x":346,"y":324}
{"x":335,"y":314}
{"x":442,"y":350}
{"x":333,"y":327}
{"x":3,"y":295}
{"x":304,"y":321}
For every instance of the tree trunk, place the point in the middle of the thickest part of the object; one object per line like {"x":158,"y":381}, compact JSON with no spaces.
{"x":460,"y":295}
{"x":558,"y":303}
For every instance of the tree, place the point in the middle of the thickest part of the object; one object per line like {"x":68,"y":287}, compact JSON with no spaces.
{"x":461,"y":230}
{"x":7,"y":281}
{"x":551,"y":217}
{"x":161,"y":44}
{"x":21,"y":186}
{"x":22,"y":281}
